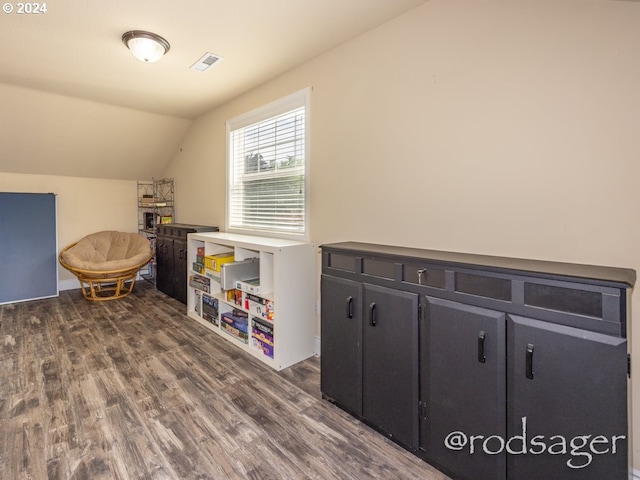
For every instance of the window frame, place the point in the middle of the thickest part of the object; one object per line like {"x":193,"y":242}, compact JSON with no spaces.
{"x":301,"y":98}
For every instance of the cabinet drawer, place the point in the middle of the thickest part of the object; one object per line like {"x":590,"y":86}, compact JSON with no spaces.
{"x":424,"y":275}
{"x":340,"y":261}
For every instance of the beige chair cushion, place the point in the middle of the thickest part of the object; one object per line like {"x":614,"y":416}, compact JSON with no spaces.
{"x":108,"y":250}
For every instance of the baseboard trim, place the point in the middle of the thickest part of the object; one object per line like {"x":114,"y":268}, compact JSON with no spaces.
{"x":71,"y":284}
{"x":634,"y":474}
{"x":317,"y":350}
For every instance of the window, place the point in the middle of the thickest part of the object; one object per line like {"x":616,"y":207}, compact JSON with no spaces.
{"x":268,"y":163}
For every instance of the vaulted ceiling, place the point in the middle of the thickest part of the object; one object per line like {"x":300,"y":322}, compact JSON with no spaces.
{"x":75,"y":47}
{"x":75,"y":102}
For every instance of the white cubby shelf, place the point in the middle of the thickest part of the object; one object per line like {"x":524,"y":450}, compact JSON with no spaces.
{"x":283,"y":302}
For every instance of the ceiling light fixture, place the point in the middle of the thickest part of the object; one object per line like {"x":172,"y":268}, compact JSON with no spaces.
{"x":145,"y":46}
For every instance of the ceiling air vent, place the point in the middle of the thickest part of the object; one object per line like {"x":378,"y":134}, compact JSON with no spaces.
{"x":205,"y":62}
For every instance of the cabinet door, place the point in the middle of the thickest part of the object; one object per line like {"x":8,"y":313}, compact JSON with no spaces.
{"x":566,"y":385}
{"x":164,"y":259}
{"x":180,"y":270}
{"x":390,"y":362}
{"x":463,"y":374}
{"x":341,"y":340}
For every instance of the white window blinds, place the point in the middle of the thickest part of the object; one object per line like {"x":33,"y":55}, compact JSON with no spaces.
{"x":267,"y":169}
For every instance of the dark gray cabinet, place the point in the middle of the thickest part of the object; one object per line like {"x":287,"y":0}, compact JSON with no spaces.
{"x":486,"y":367}
{"x":165,"y":264}
{"x":341,"y":335}
{"x":570,"y":385}
{"x":371,"y":357}
{"x":463,"y":384}
{"x":390,"y":362}
{"x":171,"y":258}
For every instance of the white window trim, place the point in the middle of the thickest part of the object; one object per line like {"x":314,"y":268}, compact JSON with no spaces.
{"x":277,"y":107}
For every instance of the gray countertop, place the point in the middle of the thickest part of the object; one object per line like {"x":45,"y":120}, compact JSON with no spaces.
{"x":576,"y":271}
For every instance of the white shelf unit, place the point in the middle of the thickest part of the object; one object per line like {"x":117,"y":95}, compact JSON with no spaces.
{"x":286,"y":283}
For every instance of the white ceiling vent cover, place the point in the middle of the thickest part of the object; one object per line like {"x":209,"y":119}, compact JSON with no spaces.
{"x":205,"y":62}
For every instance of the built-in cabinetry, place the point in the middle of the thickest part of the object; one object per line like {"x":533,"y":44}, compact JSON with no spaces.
{"x":171,"y":258}
{"x":256,"y":292}
{"x":525,"y":360}
{"x":368,"y":381}
{"x":390,"y":388}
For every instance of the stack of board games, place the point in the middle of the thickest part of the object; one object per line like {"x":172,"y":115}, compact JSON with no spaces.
{"x":198,"y":297}
{"x":200,"y":282}
{"x":258,"y":306}
{"x":251,"y":285}
{"x":198,"y":265}
{"x":262,"y":336}
{"x":236,"y":324}
{"x":210,"y":309}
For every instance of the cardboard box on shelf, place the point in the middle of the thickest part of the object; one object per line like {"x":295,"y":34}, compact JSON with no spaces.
{"x":214,"y":262}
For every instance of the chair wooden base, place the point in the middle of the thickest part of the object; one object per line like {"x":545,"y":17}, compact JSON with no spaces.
{"x":107,"y":288}
{"x":100,"y":285}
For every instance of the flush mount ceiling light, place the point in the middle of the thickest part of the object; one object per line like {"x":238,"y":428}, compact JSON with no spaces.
{"x":145,"y":46}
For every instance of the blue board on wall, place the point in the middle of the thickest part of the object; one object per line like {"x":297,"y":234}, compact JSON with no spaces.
{"x":28,"y":246}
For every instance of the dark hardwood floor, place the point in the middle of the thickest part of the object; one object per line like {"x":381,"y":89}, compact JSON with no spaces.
{"x":133,"y":389}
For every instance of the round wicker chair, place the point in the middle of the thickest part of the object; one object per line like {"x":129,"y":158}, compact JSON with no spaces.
{"x":107,"y":263}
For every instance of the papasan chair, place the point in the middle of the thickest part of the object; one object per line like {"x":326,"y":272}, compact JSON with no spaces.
{"x":107,"y":263}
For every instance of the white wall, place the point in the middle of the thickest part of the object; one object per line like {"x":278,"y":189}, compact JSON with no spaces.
{"x":485,"y":126}
{"x":52,"y":134}
{"x":85,"y":205}
{"x":90,"y":154}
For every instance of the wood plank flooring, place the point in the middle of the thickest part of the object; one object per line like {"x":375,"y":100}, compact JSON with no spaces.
{"x":134,"y":389}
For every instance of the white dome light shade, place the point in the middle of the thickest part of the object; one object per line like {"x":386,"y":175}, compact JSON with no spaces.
{"x":145,"y":46}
